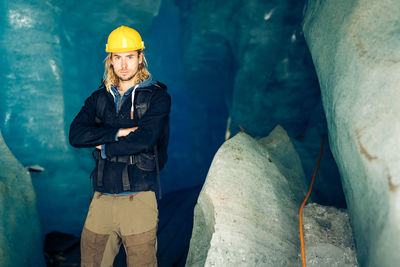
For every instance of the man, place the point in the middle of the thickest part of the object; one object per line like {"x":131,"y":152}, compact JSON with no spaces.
{"x":127,"y":120}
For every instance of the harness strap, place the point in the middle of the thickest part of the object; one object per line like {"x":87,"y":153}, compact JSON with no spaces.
{"x":125,"y":179}
{"x":100,"y":170}
{"x":129,"y":160}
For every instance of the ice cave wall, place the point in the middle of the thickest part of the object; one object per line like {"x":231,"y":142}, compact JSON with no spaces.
{"x":258,"y":56}
{"x":355,"y":49}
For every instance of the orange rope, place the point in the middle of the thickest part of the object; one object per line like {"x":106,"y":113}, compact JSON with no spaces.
{"x":303,"y":252}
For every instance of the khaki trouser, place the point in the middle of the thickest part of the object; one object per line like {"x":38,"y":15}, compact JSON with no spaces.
{"x":112,"y":220}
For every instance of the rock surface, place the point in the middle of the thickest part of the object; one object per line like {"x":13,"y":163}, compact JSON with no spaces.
{"x":246,"y":214}
{"x":355,"y":49}
{"x":20,"y":242}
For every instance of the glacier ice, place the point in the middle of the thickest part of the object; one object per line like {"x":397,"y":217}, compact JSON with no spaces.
{"x":246,"y":214}
{"x":20,"y":240}
{"x":355,"y":49}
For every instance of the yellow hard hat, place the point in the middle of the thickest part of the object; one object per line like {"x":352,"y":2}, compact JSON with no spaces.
{"x":124,"y":39}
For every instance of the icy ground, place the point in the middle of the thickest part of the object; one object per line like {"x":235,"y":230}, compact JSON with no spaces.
{"x":328,"y":237}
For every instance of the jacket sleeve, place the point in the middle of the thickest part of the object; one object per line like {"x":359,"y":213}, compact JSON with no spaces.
{"x":84,"y":132}
{"x":150,"y":127}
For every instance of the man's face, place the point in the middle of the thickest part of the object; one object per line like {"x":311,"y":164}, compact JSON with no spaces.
{"x":125,"y":64}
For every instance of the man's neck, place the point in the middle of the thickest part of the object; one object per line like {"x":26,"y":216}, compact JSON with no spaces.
{"x":125,"y":85}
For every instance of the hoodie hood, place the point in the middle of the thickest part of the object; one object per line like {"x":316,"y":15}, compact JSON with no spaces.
{"x":149,"y":81}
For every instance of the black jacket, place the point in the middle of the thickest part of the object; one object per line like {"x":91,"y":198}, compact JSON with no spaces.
{"x":98,"y":122}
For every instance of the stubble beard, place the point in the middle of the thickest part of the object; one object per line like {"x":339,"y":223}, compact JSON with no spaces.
{"x":125,"y":79}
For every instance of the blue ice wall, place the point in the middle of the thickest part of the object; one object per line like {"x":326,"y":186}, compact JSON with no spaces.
{"x":32,"y":105}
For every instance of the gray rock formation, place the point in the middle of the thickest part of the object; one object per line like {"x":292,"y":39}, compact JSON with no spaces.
{"x":355,"y":49}
{"x":246,"y":213}
{"x":20,"y":242}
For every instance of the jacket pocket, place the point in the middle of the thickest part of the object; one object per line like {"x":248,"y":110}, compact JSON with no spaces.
{"x":146,"y":162}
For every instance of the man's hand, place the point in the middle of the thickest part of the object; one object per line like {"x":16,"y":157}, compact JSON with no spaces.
{"x":126,"y":131}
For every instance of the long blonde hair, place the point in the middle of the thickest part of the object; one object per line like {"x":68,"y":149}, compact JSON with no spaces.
{"x":110,"y":79}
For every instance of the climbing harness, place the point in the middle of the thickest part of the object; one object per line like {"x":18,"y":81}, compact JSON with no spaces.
{"x":303,"y":253}
{"x":128,"y":160}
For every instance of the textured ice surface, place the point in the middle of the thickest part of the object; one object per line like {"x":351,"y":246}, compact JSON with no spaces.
{"x":355,"y":49}
{"x":246,"y":214}
{"x":328,"y":237}
{"x":20,"y":242}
